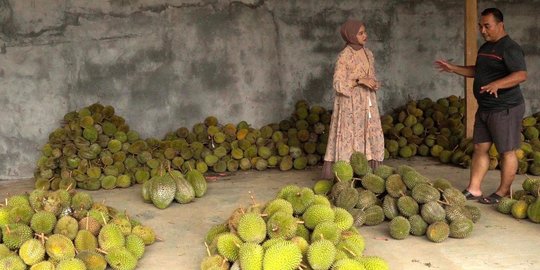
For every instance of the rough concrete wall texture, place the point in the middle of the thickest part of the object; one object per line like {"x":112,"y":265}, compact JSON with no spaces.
{"x":164,"y":64}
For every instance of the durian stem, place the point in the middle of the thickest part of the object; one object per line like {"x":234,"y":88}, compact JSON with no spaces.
{"x":87,"y":221}
{"x":69,"y":187}
{"x":511,"y":195}
{"x":253,"y":202}
{"x":263,"y":215}
{"x":445,"y":203}
{"x":207,"y":249}
{"x":337,"y":177}
{"x":350,"y":251}
{"x":103,"y":217}
{"x":300,"y":222}
{"x":159,"y":238}
{"x":101,"y":251}
{"x":8,"y":230}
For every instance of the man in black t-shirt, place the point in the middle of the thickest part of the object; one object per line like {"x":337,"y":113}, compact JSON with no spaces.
{"x":500,"y":68}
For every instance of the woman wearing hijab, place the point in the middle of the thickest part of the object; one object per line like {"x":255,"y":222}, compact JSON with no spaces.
{"x":355,"y":124}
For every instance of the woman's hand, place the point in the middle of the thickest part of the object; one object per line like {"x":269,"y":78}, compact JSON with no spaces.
{"x":369,"y":83}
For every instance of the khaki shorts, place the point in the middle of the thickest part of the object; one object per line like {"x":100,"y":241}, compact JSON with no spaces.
{"x":500,"y":127}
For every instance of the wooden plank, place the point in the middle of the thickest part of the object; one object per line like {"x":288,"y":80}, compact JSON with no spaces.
{"x":471,"y":49}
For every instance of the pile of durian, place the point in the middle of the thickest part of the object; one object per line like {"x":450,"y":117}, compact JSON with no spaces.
{"x":437,"y":128}
{"x":94,"y":148}
{"x":524,"y":203}
{"x":297,"y":230}
{"x":295,"y":142}
{"x":410,"y":201}
{"x":65,"y":230}
{"x":161,"y":190}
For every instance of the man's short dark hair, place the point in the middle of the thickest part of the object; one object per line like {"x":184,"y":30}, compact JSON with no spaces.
{"x":495,"y":12}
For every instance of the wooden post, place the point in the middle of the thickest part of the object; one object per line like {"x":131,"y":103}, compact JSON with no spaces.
{"x":471,"y":48}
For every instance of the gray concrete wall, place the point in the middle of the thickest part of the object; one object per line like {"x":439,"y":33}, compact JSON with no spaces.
{"x":169,"y":63}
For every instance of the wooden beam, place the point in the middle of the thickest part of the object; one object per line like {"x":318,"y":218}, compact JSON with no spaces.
{"x":471,"y":49}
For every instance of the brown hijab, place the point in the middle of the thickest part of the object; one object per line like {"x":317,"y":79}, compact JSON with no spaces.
{"x":349,"y":30}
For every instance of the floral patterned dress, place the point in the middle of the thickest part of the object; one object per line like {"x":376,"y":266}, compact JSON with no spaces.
{"x":355,"y":124}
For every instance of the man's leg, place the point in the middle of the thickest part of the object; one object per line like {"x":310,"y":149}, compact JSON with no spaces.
{"x":509,"y":165}
{"x":479,"y":167}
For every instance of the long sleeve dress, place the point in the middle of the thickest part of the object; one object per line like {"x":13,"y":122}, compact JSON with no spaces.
{"x":355,"y":124}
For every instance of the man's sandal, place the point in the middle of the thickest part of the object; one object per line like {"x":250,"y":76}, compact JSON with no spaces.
{"x":470,"y":196}
{"x":491,"y":199}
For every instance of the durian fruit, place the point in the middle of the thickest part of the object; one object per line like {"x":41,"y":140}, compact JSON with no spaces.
{"x":67,"y":226}
{"x":90,"y":224}
{"x":395,"y":186}
{"x":407,"y":206}
{"x":44,"y":265}
{"x":14,"y":235}
{"x":72,"y":263}
{"x":505,"y":205}
{"x":347,"y":198}
{"x":252,"y":228}
{"x":519,"y":209}
{"x":321,"y":254}
{"x":250,"y":256}
{"x":390,"y":207}
{"x":59,"y":247}
{"x":374,"y":215}
{"x":342,"y":170}
{"x":454,"y":196}
{"x":278,"y":205}
{"x":418,"y":225}
{"x":85,"y":241}
{"x":92,"y":260}
{"x":162,"y":191}
{"x":214,"y":231}
{"x":438,"y":231}
{"x":366,"y":198}
{"x":119,"y":258}
{"x":424,"y":193}
{"x":374,"y":263}
{"x":461,"y":228}
{"x":228,"y":245}
{"x":359,"y":164}
{"x":533,"y":212}
{"x":455,"y":212}
{"x":323,"y":187}
{"x":12,"y":262}
{"x":135,"y":245}
{"x":442,"y":184}
{"x":81,"y":200}
{"x":373,"y":183}
{"x":432,"y":212}
{"x":383,"y":171}
{"x":281,"y":225}
{"x":326,"y":230}
{"x":43,"y":222}
{"x":316,"y":214}
{"x":282,"y":256}
{"x":301,"y":200}
{"x":473,"y":213}
{"x":110,"y":237}
{"x":399,"y":228}
{"x":32,"y":252}
{"x":412,"y":178}
{"x":353,"y":245}
{"x":215,"y":262}
{"x":343,"y":219}
{"x":345,"y":264}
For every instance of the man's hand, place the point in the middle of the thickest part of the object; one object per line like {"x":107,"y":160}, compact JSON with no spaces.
{"x":490,"y":88}
{"x":369,"y":83}
{"x":442,"y":65}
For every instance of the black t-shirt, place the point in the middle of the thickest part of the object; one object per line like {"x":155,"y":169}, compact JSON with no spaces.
{"x":496,"y":60}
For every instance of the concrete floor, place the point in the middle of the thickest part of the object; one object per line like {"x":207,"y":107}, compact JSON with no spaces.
{"x":498,"y":241}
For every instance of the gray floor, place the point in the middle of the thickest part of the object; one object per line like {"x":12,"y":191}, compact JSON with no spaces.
{"x":498,"y":241}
